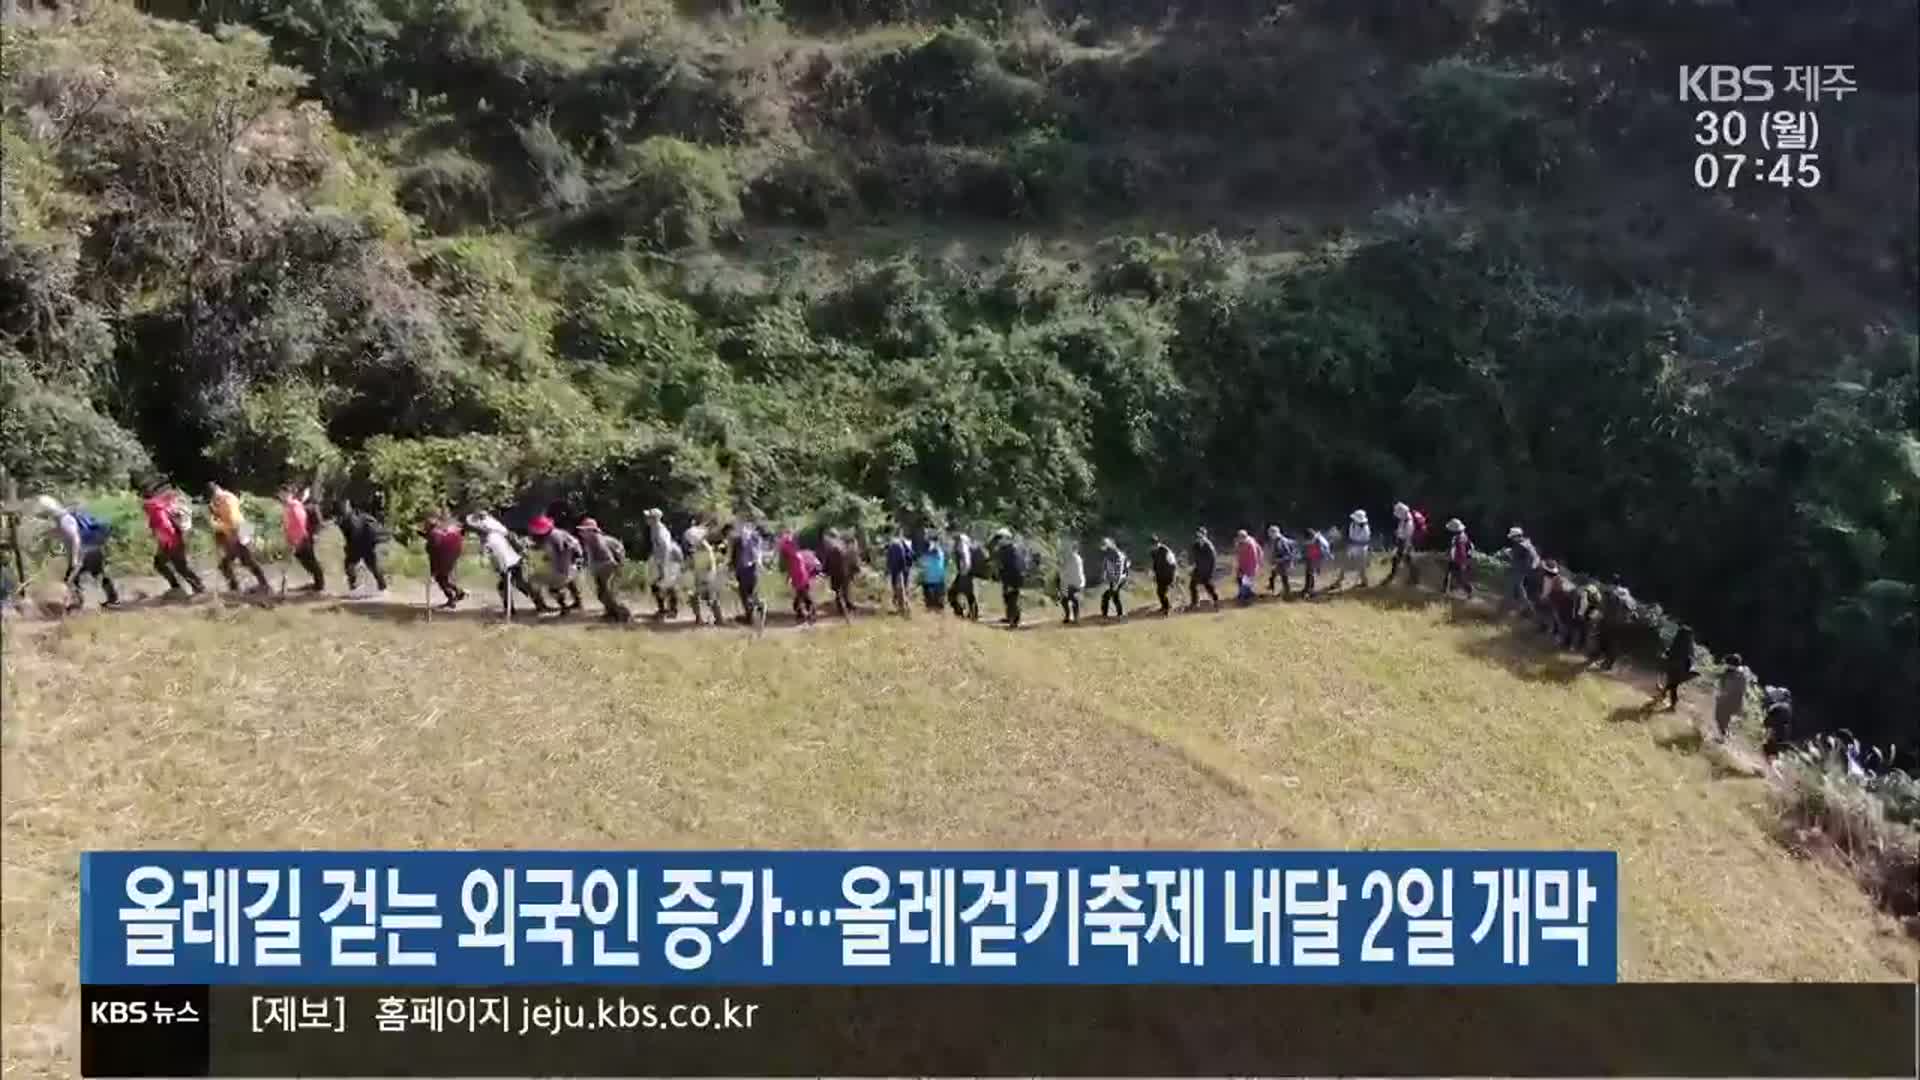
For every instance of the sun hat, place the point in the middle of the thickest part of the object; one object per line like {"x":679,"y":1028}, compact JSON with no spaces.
{"x":1516,"y":533}
{"x":1359,"y":517}
{"x":1456,"y":525}
{"x":588,"y":525}
{"x":540,"y":526}
{"x":1400,"y":509}
{"x":49,"y":505}
{"x":1273,"y":530}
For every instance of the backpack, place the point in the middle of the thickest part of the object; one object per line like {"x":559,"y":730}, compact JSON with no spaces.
{"x":1419,"y":525}
{"x":93,"y":531}
{"x":181,"y":515}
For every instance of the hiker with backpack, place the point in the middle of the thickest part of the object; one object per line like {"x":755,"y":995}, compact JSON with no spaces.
{"x":1206,"y":559}
{"x":605,"y":556}
{"x":1562,"y":603}
{"x":1072,"y":576}
{"x":706,"y":572}
{"x":170,"y":519}
{"x":1165,"y":567}
{"x":1283,"y":552}
{"x":1410,"y":528}
{"x":1319,"y":550}
{"x":1010,"y":565}
{"x":300,"y":524}
{"x":1459,"y":559}
{"x":1246,"y":559}
{"x":664,"y":559}
{"x":840,"y":561}
{"x":1730,"y":697}
{"x":508,"y":558}
{"x":1616,"y":613}
{"x":800,"y":572}
{"x":933,"y":573}
{"x":966,"y":567}
{"x":363,"y":534}
{"x":233,"y":535}
{"x":1523,"y":563}
{"x":445,"y":544}
{"x":83,"y":538}
{"x":899,"y":568}
{"x":1359,"y":543}
{"x":743,"y":553}
{"x":1679,"y":668}
{"x":1777,"y":717}
{"x":1114,"y":567}
{"x":564,"y":554}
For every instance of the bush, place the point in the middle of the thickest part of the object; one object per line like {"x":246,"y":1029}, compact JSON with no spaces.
{"x":1470,"y":119}
{"x":950,"y":88}
{"x":802,"y":189}
{"x":1822,"y":806}
{"x":276,"y":436}
{"x":448,"y":191}
{"x":53,"y":440}
{"x":677,"y":195}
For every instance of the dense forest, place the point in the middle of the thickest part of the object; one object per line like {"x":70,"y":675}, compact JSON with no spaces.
{"x":1049,"y":264}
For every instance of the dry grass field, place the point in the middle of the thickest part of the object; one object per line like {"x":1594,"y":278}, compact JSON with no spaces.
{"x":1367,"y":721}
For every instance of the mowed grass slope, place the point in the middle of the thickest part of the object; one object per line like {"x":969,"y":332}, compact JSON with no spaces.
{"x":1362,"y":722}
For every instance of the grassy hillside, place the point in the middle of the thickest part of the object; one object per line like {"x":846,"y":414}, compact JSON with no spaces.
{"x":1053,"y":265}
{"x":1358,"y":723}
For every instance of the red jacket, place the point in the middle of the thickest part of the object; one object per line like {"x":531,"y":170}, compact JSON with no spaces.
{"x":164,"y":532}
{"x":445,"y":545}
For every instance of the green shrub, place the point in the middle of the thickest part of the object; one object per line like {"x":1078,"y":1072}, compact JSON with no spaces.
{"x":54,"y":440}
{"x":448,"y":191}
{"x":676,"y":195}
{"x":277,"y":436}
{"x":803,"y":189}
{"x":949,"y":88}
{"x":413,"y":477}
{"x":1471,"y":119}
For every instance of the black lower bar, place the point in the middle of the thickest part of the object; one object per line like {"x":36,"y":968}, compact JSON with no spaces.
{"x":1666,"y":1030}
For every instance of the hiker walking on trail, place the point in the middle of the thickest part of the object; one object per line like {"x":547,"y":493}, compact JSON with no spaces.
{"x":1282,"y":553}
{"x":1459,"y":559}
{"x":506,"y":556}
{"x":1246,"y":559}
{"x":841,"y":562}
{"x":1165,"y":566}
{"x":445,"y":545}
{"x":743,"y":551}
{"x":83,"y":538}
{"x":233,"y":535}
{"x":605,"y":556}
{"x":1679,"y":666}
{"x":899,"y":568}
{"x":1114,"y":567}
{"x":1319,"y":550}
{"x":664,"y":559}
{"x":1523,"y":563}
{"x":1730,"y":699}
{"x":1587,"y":621}
{"x":560,"y":579}
{"x":1205,"y":561}
{"x":966,"y":567}
{"x":799,"y":575}
{"x":169,"y":519}
{"x":363,"y":535}
{"x":706,"y":572}
{"x":1616,"y":611}
{"x":1777,"y":701}
{"x":300,"y":524}
{"x":1010,"y":564}
{"x":1073,"y":581}
{"x":1560,"y":601}
{"x":1355,"y":555}
{"x":933,"y":574}
{"x":1409,"y":528}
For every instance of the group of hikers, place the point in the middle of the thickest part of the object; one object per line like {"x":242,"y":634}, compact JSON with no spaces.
{"x":544,"y":567}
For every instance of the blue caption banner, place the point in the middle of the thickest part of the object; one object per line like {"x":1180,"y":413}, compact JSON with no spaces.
{"x":845,"y":917}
